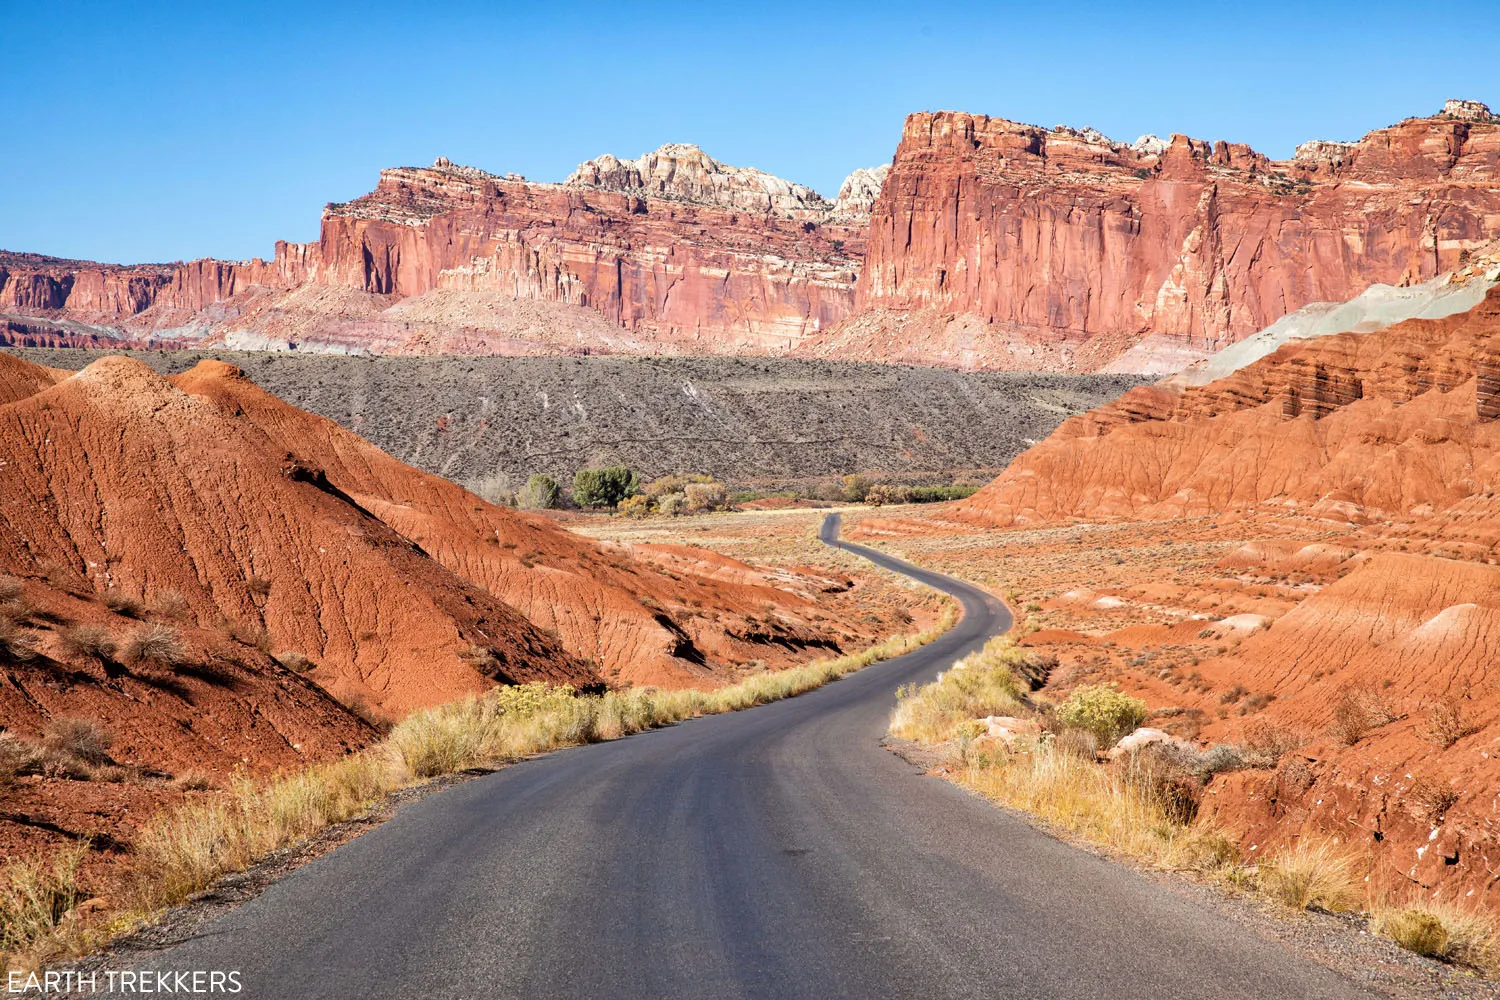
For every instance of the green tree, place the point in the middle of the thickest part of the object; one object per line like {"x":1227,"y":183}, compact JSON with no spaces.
{"x":604,"y":487}
{"x":540,"y":493}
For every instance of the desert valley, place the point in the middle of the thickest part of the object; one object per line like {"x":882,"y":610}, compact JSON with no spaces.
{"x":497,"y":466}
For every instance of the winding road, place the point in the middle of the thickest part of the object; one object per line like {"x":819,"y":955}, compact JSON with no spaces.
{"x":778,"y":852}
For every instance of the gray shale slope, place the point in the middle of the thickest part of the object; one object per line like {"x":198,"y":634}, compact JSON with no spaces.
{"x":740,"y":419}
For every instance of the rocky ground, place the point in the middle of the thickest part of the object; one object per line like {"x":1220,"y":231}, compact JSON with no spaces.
{"x":497,"y":420}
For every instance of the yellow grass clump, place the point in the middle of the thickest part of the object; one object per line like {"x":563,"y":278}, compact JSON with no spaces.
{"x":979,"y":685}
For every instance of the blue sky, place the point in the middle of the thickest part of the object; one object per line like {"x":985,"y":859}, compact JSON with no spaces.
{"x":164,"y":131}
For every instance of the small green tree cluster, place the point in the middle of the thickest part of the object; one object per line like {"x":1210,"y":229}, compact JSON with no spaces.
{"x":678,"y":494}
{"x":604,"y":487}
{"x":541,"y":492}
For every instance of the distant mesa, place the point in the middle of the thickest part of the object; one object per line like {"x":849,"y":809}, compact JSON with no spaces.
{"x":985,"y":243}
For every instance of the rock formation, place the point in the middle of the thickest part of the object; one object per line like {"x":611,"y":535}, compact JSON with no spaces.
{"x":1008,"y":245}
{"x":683,"y":172}
{"x":1357,"y":426}
{"x":991,"y":244}
{"x":674,"y":252}
{"x":858,"y":192}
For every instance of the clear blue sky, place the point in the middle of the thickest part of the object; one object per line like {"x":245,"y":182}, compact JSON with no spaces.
{"x":159,"y":131}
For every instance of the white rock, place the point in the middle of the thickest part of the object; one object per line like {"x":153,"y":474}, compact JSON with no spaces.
{"x":1008,"y":729}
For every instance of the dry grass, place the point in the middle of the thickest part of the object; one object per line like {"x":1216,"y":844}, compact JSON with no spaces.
{"x":1356,"y":713}
{"x":81,"y":739}
{"x":89,"y":642}
{"x":122,"y":603}
{"x":35,"y":897}
{"x":1442,"y":930}
{"x":981,"y":684}
{"x":1447,"y":723}
{"x":294,"y":661}
{"x":171,"y":604}
{"x":1315,"y":872}
{"x":10,"y":588}
{"x":1119,"y":809}
{"x":159,"y":645}
{"x":16,"y":642}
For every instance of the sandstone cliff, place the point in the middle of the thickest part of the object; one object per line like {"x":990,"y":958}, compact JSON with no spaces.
{"x":1000,"y":244}
{"x":674,"y":252}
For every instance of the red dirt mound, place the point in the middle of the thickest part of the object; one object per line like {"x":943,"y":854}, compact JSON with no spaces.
{"x":1349,"y":427}
{"x":639,"y":621}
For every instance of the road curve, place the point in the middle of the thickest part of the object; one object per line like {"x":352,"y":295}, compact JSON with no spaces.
{"x":778,"y":852}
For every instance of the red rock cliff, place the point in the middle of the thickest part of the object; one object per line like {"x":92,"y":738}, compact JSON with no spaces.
{"x":1068,"y":240}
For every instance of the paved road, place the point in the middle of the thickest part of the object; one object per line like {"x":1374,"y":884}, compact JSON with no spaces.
{"x":777,"y":853}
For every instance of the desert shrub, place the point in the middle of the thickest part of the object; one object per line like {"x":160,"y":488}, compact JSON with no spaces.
{"x":18,"y":756}
{"x":1107,"y":713}
{"x":938,"y":494}
{"x":1442,"y":930}
{"x":881,"y":493}
{"x":1314,"y":872}
{"x":192,"y":781}
{"x":541,"y":492}
{"x":155,"y":644}
{"x":705,"y":496}
{"x":88,"y":642}
{"x":1081,"y":743}
{"x":35,"y":895}
{"x":1356,"y":712}
{"x":1447,"y":723}
{"x":294,"y":661}
{"x":671,"y":504}
{"x":170,"y":603}
{"x":250,"y":634}
{"x":1415,"y":930}
{"x":122,"y":603}
{"x":10,"y":587}
{"x":1432,"y":796}
{"x":258,"y":586}
{"x":636,"y":506}
{"x":854,"y":488}
{"x":981,"y":684}
{"x":604,"y":487}
{"x":15,"y":642}
{"x":1266,"y":743}
{"x":81,"y":739}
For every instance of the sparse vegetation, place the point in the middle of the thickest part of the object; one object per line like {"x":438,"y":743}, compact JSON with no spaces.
{"x":1107,"y":713}
{"x":171,"y":604}
{"x":981,"y":684}
{"x":541,"y":492}
{"x":124,"y":604}
{"x":81,"y":739}
{"x":1314,"y":872}
{"x":157,"y":645}
{"x":258,"y":586}
{"x":35,"y":895}
{"x":91,"y":642}
{"x":16,"y":643}
{"x":1447,"y":723}
{"x":1356,"y":712}
{"x":1442,"y":930}
{"x":10,"y":588}
{"x":294,"y":661}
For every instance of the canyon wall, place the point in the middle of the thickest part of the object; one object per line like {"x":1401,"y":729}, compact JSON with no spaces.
{"x":987,"y":243}
{"x":998,"y":244}
{"x":674,"y":252}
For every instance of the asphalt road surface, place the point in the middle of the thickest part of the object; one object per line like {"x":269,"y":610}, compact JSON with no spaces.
{"x":778,"y":852}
